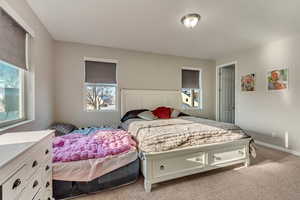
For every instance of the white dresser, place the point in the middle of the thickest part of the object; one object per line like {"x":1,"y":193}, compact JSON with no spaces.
{"x":26,"y":165}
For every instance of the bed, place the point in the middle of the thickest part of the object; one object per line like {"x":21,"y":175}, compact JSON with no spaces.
{"x":173,"y":148}
{"x":88,"y":162}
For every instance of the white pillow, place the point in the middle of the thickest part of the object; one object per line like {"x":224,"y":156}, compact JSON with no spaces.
{"x":147,"y":115}
{"x":175,"y":113}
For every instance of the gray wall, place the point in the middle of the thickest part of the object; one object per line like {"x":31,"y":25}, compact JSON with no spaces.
{"x":41,"y":76}
{"x":136,"y":70}
{"x":269,"y":116}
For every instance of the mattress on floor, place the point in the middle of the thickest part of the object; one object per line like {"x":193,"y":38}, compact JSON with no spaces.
{"x":122,"y":176}
{"x":88,"y":170}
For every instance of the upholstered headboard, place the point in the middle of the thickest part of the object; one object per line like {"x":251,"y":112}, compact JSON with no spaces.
{"x":148,"y":99}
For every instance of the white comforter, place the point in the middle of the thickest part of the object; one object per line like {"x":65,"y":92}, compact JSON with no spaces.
{"x":168,"y":134}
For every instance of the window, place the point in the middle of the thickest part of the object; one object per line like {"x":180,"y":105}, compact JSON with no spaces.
{"x":191,"y":92}
{"x":13,"y":65}
{"x":100,"y":86}
{"x":11,"y":93}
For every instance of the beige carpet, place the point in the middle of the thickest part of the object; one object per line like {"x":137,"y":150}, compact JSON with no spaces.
{"x":273,"y":175}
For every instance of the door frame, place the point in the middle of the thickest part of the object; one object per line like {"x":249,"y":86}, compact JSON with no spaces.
{"x":218,"y":88}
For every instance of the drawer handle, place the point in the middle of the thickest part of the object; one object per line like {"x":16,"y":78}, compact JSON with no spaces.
{"x":241,"y":152}
{"x":16,"y":183}
{"x":162,"y":167}
{"x":47,"y":151}
{"x":47,"y":168}
{"x":217,"y":158}
{"x":34,"y":164}
{"x":198,"y":160}
{"x":49,"y":198}
{"x":35,"y":184}
{"x":47,"y":184}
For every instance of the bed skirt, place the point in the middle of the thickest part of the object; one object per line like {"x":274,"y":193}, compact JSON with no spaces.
{"x":116,"y":178}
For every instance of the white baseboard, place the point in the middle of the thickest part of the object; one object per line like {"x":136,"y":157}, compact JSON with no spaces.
{"x":272,"y":146}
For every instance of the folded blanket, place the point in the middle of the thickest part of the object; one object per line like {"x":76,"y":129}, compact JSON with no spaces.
{"x":102,"y":143}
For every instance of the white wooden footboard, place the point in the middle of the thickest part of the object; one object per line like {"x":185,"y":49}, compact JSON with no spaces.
{"x":159,"y":167}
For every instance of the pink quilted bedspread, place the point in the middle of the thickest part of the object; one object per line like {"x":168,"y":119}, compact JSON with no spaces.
{"x":74,"y":147}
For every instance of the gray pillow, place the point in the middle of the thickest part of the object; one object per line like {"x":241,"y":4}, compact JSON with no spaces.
{"x":147,"y":115}
{"x":175,"y":113}
{"x":62,"y":128}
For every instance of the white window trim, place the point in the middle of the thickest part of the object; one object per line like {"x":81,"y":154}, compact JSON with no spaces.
{"x":101,"y":60}
{"x":200,"y":107}
{"x":104,"y":84}
{"x":22,"y":22}
{"x":17,"y":124}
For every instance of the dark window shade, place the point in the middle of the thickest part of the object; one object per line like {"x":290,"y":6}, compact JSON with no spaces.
{"x":12,"y":41}
{"x":190,"y":78}
{"x":100,"y":72}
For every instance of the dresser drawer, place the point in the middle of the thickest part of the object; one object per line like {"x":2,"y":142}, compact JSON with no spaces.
{"x":223,"y":156}
{"x":38,"y":196}
{"x":33,"y":163}
{"x":38,"y":155}
{"x":173,"y":165}
{"x":47,"y":185}
{"x":47,"y":195}
{"x":15,"y":184}
{"x":46,"y":149}
{"x":32,"y":187}
{"x":47,"y":177}
{"x":46,"y":170}
{"x":44,"y":195}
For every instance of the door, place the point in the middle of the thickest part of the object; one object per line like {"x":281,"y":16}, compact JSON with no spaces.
{"x":227,"y":94}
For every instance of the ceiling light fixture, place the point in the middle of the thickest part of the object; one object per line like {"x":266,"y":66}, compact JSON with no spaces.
{"x":190,"y":20}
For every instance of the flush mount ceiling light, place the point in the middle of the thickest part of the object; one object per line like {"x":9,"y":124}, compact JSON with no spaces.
{"x":190,"y":20}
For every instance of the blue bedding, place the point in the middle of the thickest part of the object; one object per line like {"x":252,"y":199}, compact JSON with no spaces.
{"x":90,"y":130}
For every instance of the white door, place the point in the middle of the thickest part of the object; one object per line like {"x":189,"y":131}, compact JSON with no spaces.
{"x":227,"y":94}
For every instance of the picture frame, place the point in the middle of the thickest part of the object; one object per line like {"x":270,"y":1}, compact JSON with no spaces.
{"x":248,"y":82}
{"x":277,"y":79}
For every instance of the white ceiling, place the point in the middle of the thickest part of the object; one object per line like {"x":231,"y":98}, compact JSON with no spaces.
{"x":226,"y":26}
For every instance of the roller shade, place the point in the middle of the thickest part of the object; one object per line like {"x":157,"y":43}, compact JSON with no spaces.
{"x":12,"y":41}
{"x":190,"y":78}
{"x":100,"y":72}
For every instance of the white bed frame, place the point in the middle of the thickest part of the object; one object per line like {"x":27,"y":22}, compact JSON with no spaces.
{"x":162,"y":166}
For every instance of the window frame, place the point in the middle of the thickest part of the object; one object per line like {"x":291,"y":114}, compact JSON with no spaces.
{"x":28,"y":101}
{"x":200,"y":107}
{"x":101,"y":84}
{"x":21,"y":101}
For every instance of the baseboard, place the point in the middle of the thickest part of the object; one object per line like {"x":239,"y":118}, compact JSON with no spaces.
{"x":272,"y":146}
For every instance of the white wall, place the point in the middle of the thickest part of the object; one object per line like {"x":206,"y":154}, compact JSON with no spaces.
{"x":270,"y":116}
{"x":41,"y":71}
{"x":136,"y":70}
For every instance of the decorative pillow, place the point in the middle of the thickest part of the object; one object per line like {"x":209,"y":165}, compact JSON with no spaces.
{"x":132,"y":114}
{"x":175,"y":113}
{"x":162,"y":112}
{"x":62,"y":128}
{"x":147,"y":115}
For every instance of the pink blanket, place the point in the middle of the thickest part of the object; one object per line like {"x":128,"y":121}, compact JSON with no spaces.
{"x":74,"y":147}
